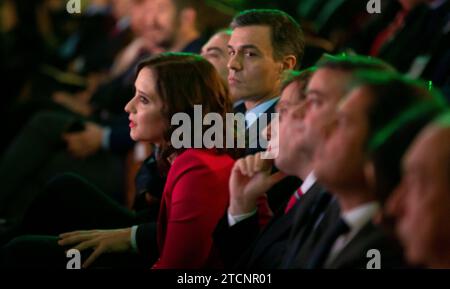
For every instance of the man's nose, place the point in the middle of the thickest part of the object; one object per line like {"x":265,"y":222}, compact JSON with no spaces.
{"x":235,"y":63}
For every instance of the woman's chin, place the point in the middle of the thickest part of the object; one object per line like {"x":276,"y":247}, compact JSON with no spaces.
{"x":134,"y":137}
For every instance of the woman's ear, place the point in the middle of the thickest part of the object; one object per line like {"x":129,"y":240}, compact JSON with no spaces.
{"x":369,"y":174}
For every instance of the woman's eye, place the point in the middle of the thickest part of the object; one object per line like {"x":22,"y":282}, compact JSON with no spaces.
{"x":143,"y":99}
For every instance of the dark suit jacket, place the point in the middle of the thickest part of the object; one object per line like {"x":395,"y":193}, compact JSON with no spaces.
{"x":354,"y":253}
{"x":242,"y":247}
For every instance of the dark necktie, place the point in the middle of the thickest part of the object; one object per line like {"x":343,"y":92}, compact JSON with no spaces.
{"x":323,"y":248}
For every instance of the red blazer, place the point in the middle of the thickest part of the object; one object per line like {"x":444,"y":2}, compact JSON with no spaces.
{"x":195,"y":197}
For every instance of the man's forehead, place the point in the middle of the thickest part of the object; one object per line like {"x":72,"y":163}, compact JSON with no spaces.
{"x":216,"y":41}
{"x":420,"y":151}
{"x":257,"y":35}
{"x":328,"y":80}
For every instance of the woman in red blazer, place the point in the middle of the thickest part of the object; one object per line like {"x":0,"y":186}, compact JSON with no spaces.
{"x":196,"y":192}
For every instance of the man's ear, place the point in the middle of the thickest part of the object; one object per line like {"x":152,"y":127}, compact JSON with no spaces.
{"x":369,"y":174}
{"x":188,"y":17}
{"x":289,"y":62}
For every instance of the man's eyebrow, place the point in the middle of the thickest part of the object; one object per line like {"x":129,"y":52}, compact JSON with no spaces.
{"x":246,"y":46}
{"x":313,"y":91}
{"x":218,"y":49}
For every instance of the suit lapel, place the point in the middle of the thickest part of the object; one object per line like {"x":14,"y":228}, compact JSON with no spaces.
{"x":305,"y":220}
{"x":355,"y":251}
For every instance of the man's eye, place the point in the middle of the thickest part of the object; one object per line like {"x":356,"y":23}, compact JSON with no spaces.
{"x":250,"y":54}
{"x":231,"y":53}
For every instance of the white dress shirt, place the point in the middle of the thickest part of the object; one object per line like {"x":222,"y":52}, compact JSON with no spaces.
{"x":253,"y":114}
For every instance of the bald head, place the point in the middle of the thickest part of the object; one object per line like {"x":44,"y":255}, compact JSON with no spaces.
{"x":431,"y":151}
{"x":216,"y":52}
{"x":424,"y":198}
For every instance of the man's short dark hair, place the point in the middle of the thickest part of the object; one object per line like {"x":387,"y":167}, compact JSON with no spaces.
{"x":352,"y":62}
{"x":287,"y":35}
{"x":303,"y":76}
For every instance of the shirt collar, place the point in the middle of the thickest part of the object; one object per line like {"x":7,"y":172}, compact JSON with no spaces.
{"x":252,"y":115}
{"x":360,"y":216}
{"x":238,"y":103}
{"x":308,"y":183}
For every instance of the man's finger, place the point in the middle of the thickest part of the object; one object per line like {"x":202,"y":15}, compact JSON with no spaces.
{"x":249,"y":165}
{"x":276,"y":177}
{"x":69,"y":234}
{"x":74,"y":239}
{"x":241,"y":167}
{"x":86,"y":245}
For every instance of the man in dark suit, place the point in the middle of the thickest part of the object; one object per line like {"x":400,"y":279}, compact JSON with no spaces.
{"x":358,"y":160}
{"x":262,"y":46}
{"x":300,"y":128}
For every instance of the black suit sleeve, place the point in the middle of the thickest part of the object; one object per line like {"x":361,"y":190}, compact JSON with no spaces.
{"x":233,"y":241}
{"x":147,"y":242}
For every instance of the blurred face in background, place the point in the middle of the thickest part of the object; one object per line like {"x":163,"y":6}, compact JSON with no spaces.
{"x":138,"y":13}
{"x":291,"y":109}
{"x":421,"y":203}
{"x":341,"y":155}
{"x":216,"y":52}
{"x":325,"y":90}
{"x":121,"y":8}
{"x":161,"y":22}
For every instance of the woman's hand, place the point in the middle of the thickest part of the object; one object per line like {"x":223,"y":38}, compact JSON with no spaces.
{"x":101,"y":241}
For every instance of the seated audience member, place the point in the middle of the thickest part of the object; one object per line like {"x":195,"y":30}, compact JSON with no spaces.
{"x":264,"y":44}
{"x":250,"y":180}
{"x":421,"y":202}
{"x":301,"y":122}
{"x":347,"y":164}
{"x":216,"y":52}
{"x":196,"y":192}
{"x":92,"y":147}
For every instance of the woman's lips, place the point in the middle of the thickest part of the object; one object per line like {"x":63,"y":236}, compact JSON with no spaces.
{"x":132,"y":124}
